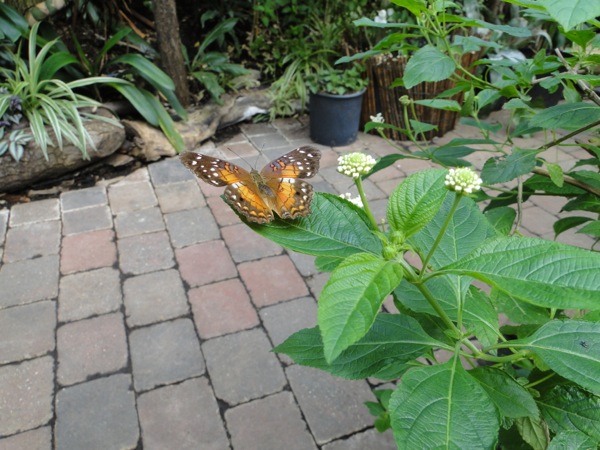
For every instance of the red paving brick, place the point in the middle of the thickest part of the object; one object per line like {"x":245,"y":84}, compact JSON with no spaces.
{"x":222,"y":308}
{"x":205,"y":263}
{"x":222,"y":211}
{"x":87,"y":251}
{"x":272,"y":280}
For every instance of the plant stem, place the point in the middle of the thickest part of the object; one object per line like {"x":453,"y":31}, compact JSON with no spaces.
{"x":442,"y":231}
{"x":363,"y":198}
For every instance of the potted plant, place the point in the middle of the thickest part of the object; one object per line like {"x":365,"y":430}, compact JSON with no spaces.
{"x":335,"y":104}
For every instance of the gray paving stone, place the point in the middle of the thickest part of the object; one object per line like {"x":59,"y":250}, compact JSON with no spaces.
{"x":38,"y":439}
{"x":242,"y":367}
{"x":131,"y":196}
{"x":154,"y":297}
{"x":333,"y":407}
{"x":179,"y":196}
{"x":98,"y":414}
{"x":26,"y":395}
{"x":37,"y":211}
{"x":165,"y":353}
{"x":145,"y":253}
{"x":367,"y":440}
{"x":91,"y":347}
{"x":32,"y":240}
{"x":87,"y":219}
{"x":138,"y":222}
{"x":284,"y":319}
{"x":169,"y":170}
{"x":82,"y":198}
{"x":183,"y":416}
{"x":28,"y":281}
{"x":87,"y":294}
{"x":267,"y":142}
{"x":4,"y":214}
{"x":304,"y":263}
{"x":191,"y":226}
{"x":27,"y":331}
{"x":271,"y":423}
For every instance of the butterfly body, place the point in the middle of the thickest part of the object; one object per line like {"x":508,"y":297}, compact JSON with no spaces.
{"x":277,"y":187}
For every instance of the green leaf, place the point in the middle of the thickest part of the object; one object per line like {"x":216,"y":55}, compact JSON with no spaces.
{"x":586,"y":202}
{"x":534,"y":431}
{"x":428,"y":64}
{"x":468,"y":229}
{"x":556,"y":174}
{"x":393,"y":339}
{"x":570,"y":13}
{"x":416,"y":200}
{"x":568,"y":409}
{"x":570,"y":348}
{"x":335,"y":229}
{"x":351,"y":299}
{"x":592,"y":228}
{"x":502,"y":219}
{"x":567,"y":116}
{"x":537,"y":271}
{"x":480,"y":317}
{"x":446,"y":105}
{"x":519,"y":312}
{"x":506,"y":29}
{"x":442,"y":407}
{"x":502,"y":169}
{"x":572,"y":440}
{"x":511,"y":399}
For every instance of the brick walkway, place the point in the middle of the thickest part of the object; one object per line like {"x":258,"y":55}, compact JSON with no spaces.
{"x":140,"y":314}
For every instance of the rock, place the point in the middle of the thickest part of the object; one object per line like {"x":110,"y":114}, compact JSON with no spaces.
{"x":34,"y":167}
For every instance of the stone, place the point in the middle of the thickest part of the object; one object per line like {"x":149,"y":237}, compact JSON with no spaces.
{"x":165,"y":353}
{"x":33,"y":166}
{"x":32,"y":240}
{"x":82,"y":220}
{"x":241,"y":366}
{"x":191,"y":226}
{"x":26,"y":395}
{"x":98,"y":414}
{"x":333,"y":407}
{"x":145,"y":253}
{"x":29,"y":280}
{"x":38,"y":211}
{"x":154,"y":297}
{"x":142,"y":221}
{"x":87,"y":294}
{"x":89,"y":347}
{"x":270,"y":423}
{"x":27,"y":331}
{"x":38,"y":439}
{"x":222,"y":308}
{"x":182,"y":416}
{"x":367,"y":440}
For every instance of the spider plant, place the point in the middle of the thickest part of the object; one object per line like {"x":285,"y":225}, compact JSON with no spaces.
{"x":48,"y":102}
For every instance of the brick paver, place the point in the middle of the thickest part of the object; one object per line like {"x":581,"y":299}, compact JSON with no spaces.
{"x":141,"y":314}
{"x":182,"y":416}
{"x":165,"y":353}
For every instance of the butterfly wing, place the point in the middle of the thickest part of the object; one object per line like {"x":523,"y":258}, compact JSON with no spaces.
{"x":242,"y":192}
{"x":302,"y":162}
{"x":282,"y":176}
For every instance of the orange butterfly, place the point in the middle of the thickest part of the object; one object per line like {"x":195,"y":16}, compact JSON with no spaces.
{"x":255,"y":195}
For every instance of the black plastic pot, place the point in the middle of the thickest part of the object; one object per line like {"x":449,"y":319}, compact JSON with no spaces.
{"x":334,"y":119}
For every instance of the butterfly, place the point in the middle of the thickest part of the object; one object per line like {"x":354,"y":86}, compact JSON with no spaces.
{"x":255,"y":195}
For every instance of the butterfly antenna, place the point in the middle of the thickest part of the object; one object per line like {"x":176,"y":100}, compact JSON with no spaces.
{"x":240,"y":156}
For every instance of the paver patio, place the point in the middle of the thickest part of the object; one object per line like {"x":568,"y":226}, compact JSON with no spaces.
{"x":140,"y":313}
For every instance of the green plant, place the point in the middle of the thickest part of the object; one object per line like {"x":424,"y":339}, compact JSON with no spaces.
{"x":526,"y":381}
{"x":47,"y":101}
{"x":462,"y":380}
{"x":337,"y":81}
{"x":15,"y":143}
{"x":570,"y":73}
{"x":213,"y":69}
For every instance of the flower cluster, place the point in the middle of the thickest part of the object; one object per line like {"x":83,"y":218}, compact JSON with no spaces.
{"x":356,"y":200}
{"x":463,"y":180}
{"x":355,"y":164}
{"x":378,"y":118}
{"x":383,"y":15}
